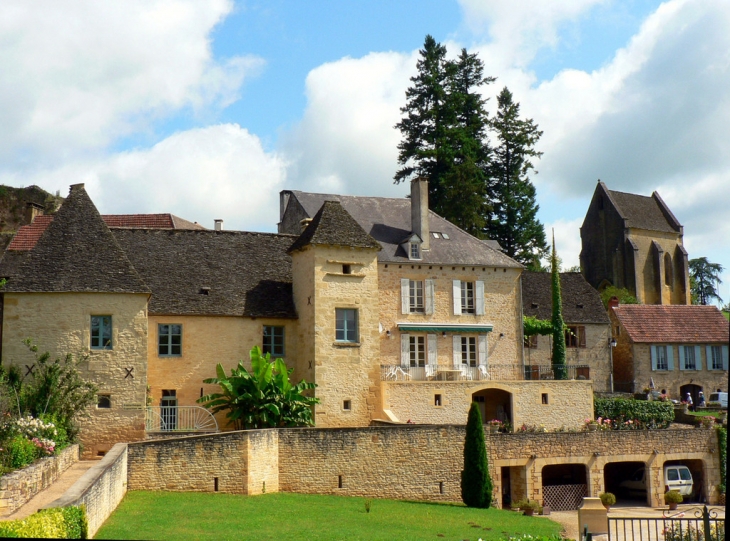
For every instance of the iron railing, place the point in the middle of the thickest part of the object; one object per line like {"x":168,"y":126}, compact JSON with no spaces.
{"x":687,"y":525}
{"x":179,"y":419}
{"x":491,"y":372}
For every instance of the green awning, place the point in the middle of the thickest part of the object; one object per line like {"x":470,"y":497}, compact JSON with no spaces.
{"x":444,"y":327}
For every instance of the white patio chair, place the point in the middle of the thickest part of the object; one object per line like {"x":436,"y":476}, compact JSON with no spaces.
{"x":483,"y":372}
{"x":431,"y":370}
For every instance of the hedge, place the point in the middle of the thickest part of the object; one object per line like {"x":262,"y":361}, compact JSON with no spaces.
{"x":633,"y":414}
{"x":60,"y":522}
{"x":722,"y":444}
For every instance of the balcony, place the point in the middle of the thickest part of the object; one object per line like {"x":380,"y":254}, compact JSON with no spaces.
{"x":179,"y":419}
{"x":492,"y":372}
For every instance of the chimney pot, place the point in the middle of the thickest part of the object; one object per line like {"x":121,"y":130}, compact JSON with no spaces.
{"x":31,"y":211}
{"x":218,"y":224}
{"x":613,"y":302}
{"x":419,"y":210}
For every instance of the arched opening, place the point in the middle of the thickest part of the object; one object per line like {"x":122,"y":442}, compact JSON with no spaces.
{"x":495,"y":404}
{"x":627,"y":481}
{"x":564,"y":486}
{"x":698,"y":493}
{"x":668,"y":270}
{"x":693,"y":391}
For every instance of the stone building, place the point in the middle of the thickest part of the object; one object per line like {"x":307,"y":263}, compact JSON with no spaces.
{"x":635,"y":242}
{"x":396,"y":314}
{"x":588,"y":336}
{"x":679,"y":349}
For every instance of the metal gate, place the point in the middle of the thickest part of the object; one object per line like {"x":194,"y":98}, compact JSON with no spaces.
{"x":688,"y":525}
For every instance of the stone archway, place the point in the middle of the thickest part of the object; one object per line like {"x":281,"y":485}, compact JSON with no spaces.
{"x":693,"y":390}
{"x":494,"y":404}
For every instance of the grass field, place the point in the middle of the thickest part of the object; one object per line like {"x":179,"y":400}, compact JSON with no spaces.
{"x":170,"y":515}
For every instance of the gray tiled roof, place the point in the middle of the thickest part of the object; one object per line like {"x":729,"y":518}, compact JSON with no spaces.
{"x":332,"y":225}
{"x":388,"y":221}
{"x":581,"y":303}
{"x":642,"y":212}
{"x":77,"y":253}
{"x":243,"y":274}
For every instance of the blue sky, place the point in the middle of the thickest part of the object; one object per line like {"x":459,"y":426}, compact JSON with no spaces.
{"x":207,"y":108}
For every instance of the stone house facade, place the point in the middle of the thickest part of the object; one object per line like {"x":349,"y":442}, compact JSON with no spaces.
{"x":677,"y":349}
{"x":635,"y":242}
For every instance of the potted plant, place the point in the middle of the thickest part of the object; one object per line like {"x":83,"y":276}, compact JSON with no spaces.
{"x":607,"y":499}
{"x":526,"y":506}
{"x":591,"y":425}
{"x":495,"y":425}
{"x":672,"y":498}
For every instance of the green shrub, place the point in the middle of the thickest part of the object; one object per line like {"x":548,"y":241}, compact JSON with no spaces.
{"x":722,"y":444}
{"x":61,"y":523}
{"x":21,"y":452}
{"x":630,"y":414}
{"x":607,"y":498}
{"x":476,"y":485}
{"x":673,"y":496}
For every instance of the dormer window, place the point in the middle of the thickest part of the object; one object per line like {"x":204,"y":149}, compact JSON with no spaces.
{"x":415,"y":252}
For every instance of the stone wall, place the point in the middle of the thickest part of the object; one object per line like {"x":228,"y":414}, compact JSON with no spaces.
{"x":100,"y":489}
{"x":20,"y":486}
{"x":651,"y":287}
{"x":60,"y":323}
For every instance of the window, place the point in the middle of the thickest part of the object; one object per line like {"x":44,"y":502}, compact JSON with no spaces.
{"x":467,"y":297}
{"x":545,"y":399}
{"x":347,"y":405}
{"x":417,"y":351}
{"x":690,"y":361}
{"x":415,"y":296}
{"x":575,"y":337}
{"x":714,"y":357}
{"x":168,"y":409}
{"x":101,"y":332}
{"x":104,"y":401}
{"x":273,"y":340}
{"x":346,"y":268}
{"x":345,"y":325}
{"x":531,"y":341}
{"x":661,"y":358}
{"x":436,"y":399}
{"x":469,"y":350}
{"x":415,"y":251}
{"x":169,"y":340}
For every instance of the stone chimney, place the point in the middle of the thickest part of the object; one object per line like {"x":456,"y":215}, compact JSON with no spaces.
{"x":218,"y":224}
{"x":419,"y":210}
{"x":303,"y":224}
{"x":31,"y":211}
{"x":613,"y":302}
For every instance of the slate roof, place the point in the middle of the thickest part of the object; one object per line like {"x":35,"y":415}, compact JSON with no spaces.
{"x":76,"y":253}
{"x":651,"y":323}
{"x":388,"y":221}
{"x":642,"y":212}
{"x":246,"y":274}
{"x":332,"y":225}
{"x":581,"y":302}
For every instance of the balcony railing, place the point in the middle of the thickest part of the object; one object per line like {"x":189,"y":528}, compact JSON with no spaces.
{"x":492,"y":372}
{"x":179,"y":419}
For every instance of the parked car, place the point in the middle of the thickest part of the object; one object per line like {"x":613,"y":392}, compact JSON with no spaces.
{"x":676,"y":477}
{"x":720,"y":398}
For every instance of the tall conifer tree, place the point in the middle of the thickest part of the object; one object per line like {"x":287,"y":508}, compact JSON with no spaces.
{"x":558,"y":324}
{"x":476,"y":484}
{"x":513,"y":221}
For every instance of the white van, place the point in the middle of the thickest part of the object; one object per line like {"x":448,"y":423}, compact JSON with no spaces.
{"x":676,"y":477}
{"x":719,"y":397}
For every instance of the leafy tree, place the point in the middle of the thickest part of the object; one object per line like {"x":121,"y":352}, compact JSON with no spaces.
{"x":623,"y":295}
{"x":705,"y":276}
{"x":513,"y":221}
{"x":262,"y":398}
{"x":558,"y":324}
{"x":532,"y":326}
{"x":444,"y":135}
{"x":476,"y":484}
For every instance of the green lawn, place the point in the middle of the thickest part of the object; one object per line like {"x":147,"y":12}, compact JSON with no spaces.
{"x":172,"y":515}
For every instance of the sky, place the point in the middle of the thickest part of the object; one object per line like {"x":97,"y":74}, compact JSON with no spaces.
{"x":208,"y":108}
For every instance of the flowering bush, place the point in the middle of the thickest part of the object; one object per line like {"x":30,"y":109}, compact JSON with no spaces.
{"x":495,"y":422}
{"x":35,"y":428}
{"x":535,"y":429}
{"x":45,"y":446}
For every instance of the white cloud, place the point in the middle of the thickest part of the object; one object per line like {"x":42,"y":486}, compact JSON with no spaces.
{"x":77,"y":75}
{"x":567,"y":240}
{"x":215,"y":172}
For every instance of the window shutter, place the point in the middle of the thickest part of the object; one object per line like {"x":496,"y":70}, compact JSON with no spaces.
{"x":653,"y":357}
{"x":479,"y":293}
{"x":482,"y":349}
{"x":581,"y":336}
{"x":457,"y":297}
{"x":724,"y":357}
{"x":708,"y":356}
{"x":670,"y":357}
{"x":429,"y":294}
{"x":698,"y":358}
{"x":681,"y":357}
{"x":457,"y":351}
{"x":405,"y":350}
{"x":405,"y":300}
{"x":432,"y":350}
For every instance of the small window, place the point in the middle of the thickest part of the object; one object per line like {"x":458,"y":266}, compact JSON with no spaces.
{"x":444,"y":235}
{"x":273,"y":340}
{"x":347,"y":405}
{"x":690,"y":363}
{"x":716,"y":361}
{"x":437,"y":400}
{"x":205,"y":290}
{"x":467,"y":298}
{"x":169,"y":340}
{"x":435,"y":235}
{"x":104,"y":401}
{"x":575,"y":336}
{"x":544,"y":398}
{"x":346,"y":269}
{"x":415,"y":250}
{"x":346,"y":325}
{"x":661,"y":358}
{"x":101,"y":332}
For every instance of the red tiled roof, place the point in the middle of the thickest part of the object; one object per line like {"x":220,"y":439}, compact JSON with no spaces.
{"x":674,"y":323}
{"x":27,"y":236}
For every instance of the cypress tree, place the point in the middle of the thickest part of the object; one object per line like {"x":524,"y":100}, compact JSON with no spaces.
{"x":557,"y":321}
{"x":476,"y":485}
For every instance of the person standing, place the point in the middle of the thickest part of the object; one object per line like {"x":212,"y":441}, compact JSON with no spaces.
{"x":701,"y":400}
{"x":688,"y":401}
